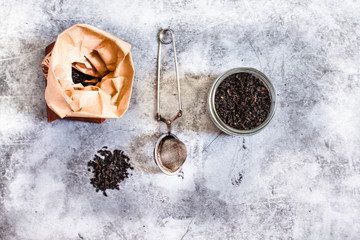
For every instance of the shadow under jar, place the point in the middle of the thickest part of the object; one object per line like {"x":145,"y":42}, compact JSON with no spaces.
{"x":242,"y":101}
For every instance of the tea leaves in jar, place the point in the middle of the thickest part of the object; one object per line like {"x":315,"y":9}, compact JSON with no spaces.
{"x":242,"y":101}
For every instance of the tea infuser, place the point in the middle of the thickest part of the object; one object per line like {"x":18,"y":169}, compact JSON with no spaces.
{"x":170,"y":153}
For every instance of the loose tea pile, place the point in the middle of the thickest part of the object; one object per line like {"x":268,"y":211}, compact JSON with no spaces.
{"x":109,"y":169}
{"x":242,"y":101}
{"x":84,"y":79}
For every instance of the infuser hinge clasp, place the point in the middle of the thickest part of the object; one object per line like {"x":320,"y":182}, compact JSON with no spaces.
{"x":169,"y":121}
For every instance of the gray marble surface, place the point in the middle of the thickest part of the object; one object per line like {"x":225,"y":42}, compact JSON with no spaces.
{"x":301,"y":175}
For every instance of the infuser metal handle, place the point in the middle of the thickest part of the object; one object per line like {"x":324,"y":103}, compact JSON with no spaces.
{"x":163,"y":39}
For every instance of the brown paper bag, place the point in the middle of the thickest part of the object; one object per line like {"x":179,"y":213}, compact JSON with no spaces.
{"x":96,"y":53}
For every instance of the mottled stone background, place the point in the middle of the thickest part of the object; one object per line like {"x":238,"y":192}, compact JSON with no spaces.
{"x":300,"y":176}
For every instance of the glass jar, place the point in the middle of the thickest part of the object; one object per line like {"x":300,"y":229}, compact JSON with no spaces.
{"x":215,"y":117}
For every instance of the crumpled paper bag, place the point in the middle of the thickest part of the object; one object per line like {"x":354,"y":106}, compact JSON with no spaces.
{"x":96,"y":53}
